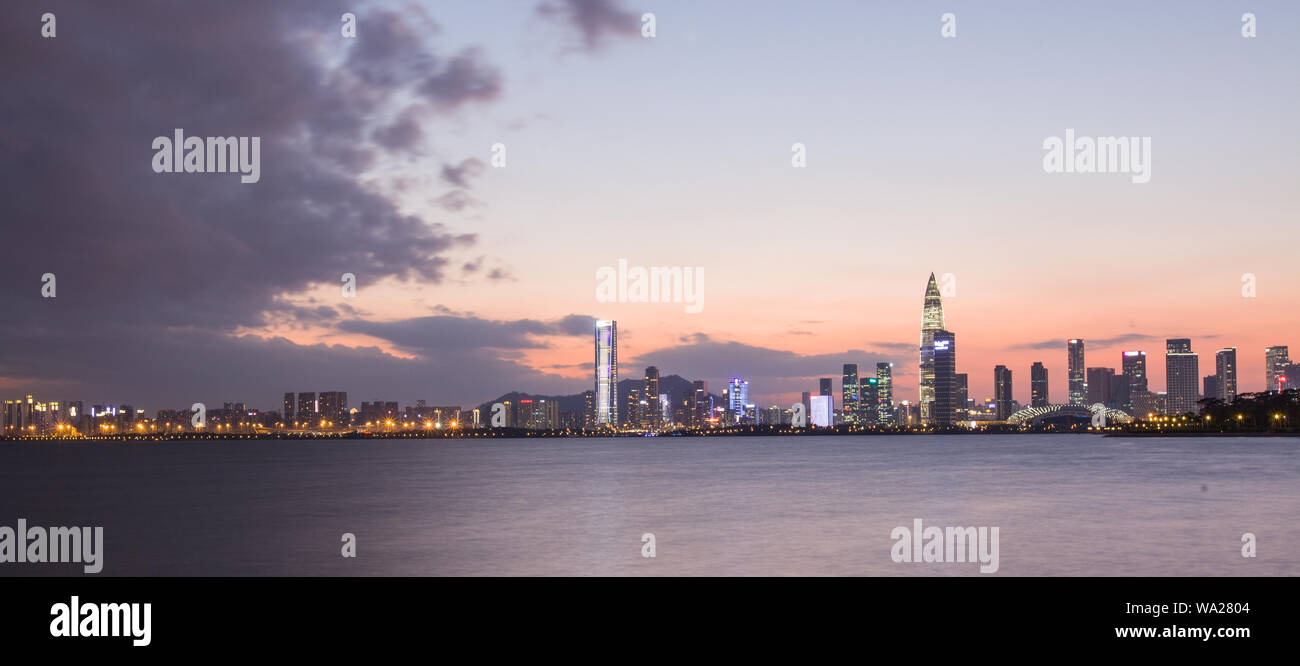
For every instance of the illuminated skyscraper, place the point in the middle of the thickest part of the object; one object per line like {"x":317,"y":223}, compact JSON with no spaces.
{"x":884,"y":392}
{"x":1182,"y":376}
{"x":1134,"y":367}
{"x":869,"y":398}
{"x":931,"y":321}
{"x":1276,"y":358}
{"x":737,"y":398}
{"x":1225,"y":364}
{"x":850,"y":397}
{"x":651,"y":417}
{"x":701,"y":405}
{"x":1038,"y":385}
{"x":287,"y":416}
{"x":944,"y":407}
{"x":307,"y":415}
{"x":1002,"y":392}
{"x":823,"y":411}
{"x":606,"y":373}
{"x":1078,"y":381}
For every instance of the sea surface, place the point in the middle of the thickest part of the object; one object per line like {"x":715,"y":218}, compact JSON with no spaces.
{"x":1064,"y":505}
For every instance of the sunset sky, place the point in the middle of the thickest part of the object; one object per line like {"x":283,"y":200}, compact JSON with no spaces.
{"x":924,"y":154}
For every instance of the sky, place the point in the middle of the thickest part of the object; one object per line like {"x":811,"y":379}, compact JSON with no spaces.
{"x":923,"y":154}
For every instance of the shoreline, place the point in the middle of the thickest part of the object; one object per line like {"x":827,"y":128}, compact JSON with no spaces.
{"x":512,"y":433}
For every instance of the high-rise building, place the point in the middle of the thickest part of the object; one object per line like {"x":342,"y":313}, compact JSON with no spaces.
{"x":287,"y":415}
{"x":963,"y":396}
{"x":588,"y":409}
{"x":1275,"y":358}
{"x":1288,"y":376}
{"x":1002,"y":392}
{"x":884,"y":393}
{"x":307,"y":415}
{"x":931,"y":322}
{"x":632,"y":410}
{"x":806,"y":399}
{"x":823,"y":411}
{"x":851,"y":396}
{"x":869,"y":395}
{"x":701,"y":405}
{"x":1211,"y":386}
{"x":825,"y":386}
{"x":1134,"y":368}
{"x":1225,"y":366}
{"x":1118,"y":394}
{"x":606,"y":373}
{"x":652,"y":416}
{"x":1038,"y":385}
{"x":737,"y":398}
{"x":537,"y":414}
{"x":944,"y":408}
{"x":334,"y":409}
{"x":1078,"y":381}
{"x":1181,"y":376}
{"x":1100,"y":382}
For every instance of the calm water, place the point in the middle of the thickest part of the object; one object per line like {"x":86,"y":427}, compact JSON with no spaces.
{"x":1064,"y":505}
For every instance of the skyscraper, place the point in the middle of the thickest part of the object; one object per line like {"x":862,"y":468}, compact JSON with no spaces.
{"x":737,"y":398}
{"x":850,"y":395}
{"x":931,"y":321}
{"x":869,"y":398}
{"x":606,"y":373}
{"x":1078,"y":382}
{"x":1002,"y":392}
{"x":963,"y":396}
{"x":825,"y":386}
{"x":1211,"y":386}
{"x":1182,"y":375}
{"x":1276,"y":358}
{"x":1225,"y":364}
{"x":884,"y":392}
{"x":823,"y":411}
{"x":307,"y":416}
{"x":653,"y":416}
{"x":287,"y":416}
{"x":701,"y":405}
{"x":334,"y":409}
{"x":1100,"y":382}
{"x":1134,"y":367}
{"x":1038,"y":385}
{"x":944,"y":407}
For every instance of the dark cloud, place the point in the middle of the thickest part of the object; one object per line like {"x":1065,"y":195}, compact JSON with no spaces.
{"x":170,"y":259}
{"x":593,"y":19}
{"x":456,"y":201}
{"x":160,"y":276}
{"x":460,"y":174}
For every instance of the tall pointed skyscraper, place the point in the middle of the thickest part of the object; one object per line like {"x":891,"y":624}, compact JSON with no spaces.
{"x":931,"y":322}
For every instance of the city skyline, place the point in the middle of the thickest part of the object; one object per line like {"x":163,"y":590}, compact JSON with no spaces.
{"x":1125,"y":387}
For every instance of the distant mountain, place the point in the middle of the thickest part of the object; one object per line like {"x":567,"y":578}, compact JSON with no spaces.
{"x":676,"y":388}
